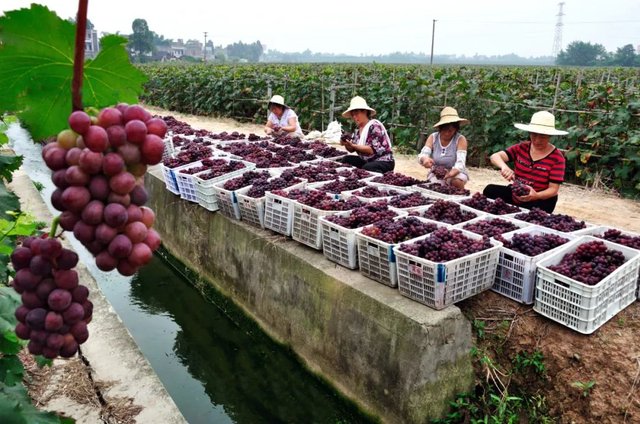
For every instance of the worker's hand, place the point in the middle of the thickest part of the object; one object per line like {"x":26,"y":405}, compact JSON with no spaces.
{"x":427,"y":162}
{"x":268,"y":130}
{"x":533,"y":195}
{"x":507,"y":173}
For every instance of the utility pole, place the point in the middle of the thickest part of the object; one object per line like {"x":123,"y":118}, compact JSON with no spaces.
{"x":205,"y":46}
{"x":433,"y":35}
{"x":557,"y":40}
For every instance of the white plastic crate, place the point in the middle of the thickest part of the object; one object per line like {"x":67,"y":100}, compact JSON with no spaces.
{"x":510,"y":215}
{"x":587,"y":224}
{"x":204,"y":188}
{"x":600,"y":230}
{"x":516,"y":272}
{"x":252,"y":208}
{"x":431,"y":193}
{"x":168,"y":147}
{"x":278,"y":213}
{"x":376,"y":258}
{"x":339,"y":243}
{"x":581,"y":307}
{"x":438,"y":285}
{"x":306,"y":227}
{"x":210,"y":206}
{"x":227,"y":200}
{"x":169,"y":176}
{"x":186,"y":185}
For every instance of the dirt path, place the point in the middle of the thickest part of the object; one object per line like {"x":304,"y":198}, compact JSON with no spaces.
{"x":593,"y":206}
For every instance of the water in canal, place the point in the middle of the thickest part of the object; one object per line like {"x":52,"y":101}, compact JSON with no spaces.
{"x":217,"y":365}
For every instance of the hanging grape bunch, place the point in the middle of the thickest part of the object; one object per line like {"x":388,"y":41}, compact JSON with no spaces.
{"x":55,"y":309}
{"x":98,"y":168}
{"x":439,"y":171}
{"x":519,"y":189}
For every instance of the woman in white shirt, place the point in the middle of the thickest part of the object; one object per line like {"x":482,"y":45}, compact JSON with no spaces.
{"x":282,"y":119}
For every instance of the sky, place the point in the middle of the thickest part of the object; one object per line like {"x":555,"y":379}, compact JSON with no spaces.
{"x":484,"y":27}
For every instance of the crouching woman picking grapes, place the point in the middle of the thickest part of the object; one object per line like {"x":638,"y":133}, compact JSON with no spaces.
{"x":370,"y":140}
{"x":445,"y":151}
{"x":538,"y":167}
{"x":282,"y":120}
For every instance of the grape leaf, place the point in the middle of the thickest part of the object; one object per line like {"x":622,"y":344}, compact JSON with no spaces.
{"x":3,"y":139}
{"x":16,"y":408}
{"x":9,"y":301}
{"x":8,"y":164}
{"x":11,"y":370}
{"x":36,"y":69}
{"x":8,"y":201}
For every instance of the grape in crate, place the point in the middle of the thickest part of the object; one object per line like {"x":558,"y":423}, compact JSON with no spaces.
{"x":538,"y":164}
{"x":445,"y":151}
{"x":282,"y":120}
{"x":370,"y":140}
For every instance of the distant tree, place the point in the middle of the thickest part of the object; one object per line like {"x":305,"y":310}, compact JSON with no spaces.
{"x":579,"y":53}
{"x":159,"y":40}
{"x":141,"y":41}
{"x":250,"y":52}
{"x":625,"y":56}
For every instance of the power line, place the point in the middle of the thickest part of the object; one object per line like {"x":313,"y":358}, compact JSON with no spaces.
{"x":537,"y":22}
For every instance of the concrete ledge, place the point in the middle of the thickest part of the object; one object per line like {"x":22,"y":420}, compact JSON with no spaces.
{"x":397,"y":358}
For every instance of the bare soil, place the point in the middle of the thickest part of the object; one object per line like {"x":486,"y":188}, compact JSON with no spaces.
{"x":610,"y":357}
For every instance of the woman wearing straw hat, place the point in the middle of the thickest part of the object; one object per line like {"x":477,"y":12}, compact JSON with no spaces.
{"x":370,"y":140}
{"x":282,"y":119}
{"x":537,"y":164}
{"x":447,"y":148}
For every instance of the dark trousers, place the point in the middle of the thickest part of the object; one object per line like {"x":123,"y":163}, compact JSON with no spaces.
{"x":494,"y":191}
{"x":376,"y":166}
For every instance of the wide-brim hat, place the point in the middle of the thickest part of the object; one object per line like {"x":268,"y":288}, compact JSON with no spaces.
{"x":277,"y":100}
{"x":541,"y":123}
{"x":448,"y":116}
{"x":358,"y":103}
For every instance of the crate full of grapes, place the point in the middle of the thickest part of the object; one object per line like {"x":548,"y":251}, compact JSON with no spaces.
{"x":521,"y":251}
{"x":339,"y":231}
{"x":614,"y":235}
{"x":375,"y":243}
{"x":184,"y":178}
{"x":225,"y":169}
{"x":251,"y":199}
{"x":446,"y":266}
{"x":169,"y":174}
{"x":586,"y":282}
{"x":224,"y":192}
{"x":307,"y":211}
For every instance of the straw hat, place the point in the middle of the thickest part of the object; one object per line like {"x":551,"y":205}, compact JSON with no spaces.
{"x":542,"y":123}
{"x":450,"y":115}
{"x":277,"y":100}
{"x":358,"y":103}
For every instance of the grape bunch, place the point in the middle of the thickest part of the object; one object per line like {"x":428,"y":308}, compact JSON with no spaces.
{"x":224,"y":136}
{"x":520,"y":189}
{"x":371,"y":192}
{"x":590,"y":263}
{"x":616,"y":236}
{"x":491,"y":227}
{"x":320,"y":200}
{"x":448,"y":212}
{"x":355,"y":173}
{"x":410,"y":200}
{"x":175,"y":126}
{"x":557,"y":222}
{"x":532,"y":245}
{"x":369,"y":214}
{"x":241,"y":149}
{"x":338,"y":186}
{"x":192,"y":154}
{"x":345,"y":136}
{"x":321,"y":149}
{"x":296,"y":155}
{"x":260,"y":187}
{"x":254,"y":137}
{"x":330,"y":165}
{"x":55,"y":309}
{"x":396,"y":231}
{"x":313,"y":173}
{"x":445,"y":189}
{"x":285,"y":140}
{"x":245,"y":179}
{"x":100,"y":184}
{"x":497,"y":207}
{"x":439,"y":171}
{"x":444,"y":245}
{"x":396,"y":179}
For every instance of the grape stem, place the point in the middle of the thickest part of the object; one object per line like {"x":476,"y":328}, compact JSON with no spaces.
{"x":54,"y":227}
{"x":78,"y":60}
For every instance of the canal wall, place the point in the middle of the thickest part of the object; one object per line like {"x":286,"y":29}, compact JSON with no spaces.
{"x":397,"y":358}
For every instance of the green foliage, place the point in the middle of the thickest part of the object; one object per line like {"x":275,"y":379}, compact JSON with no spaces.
{"x":579,"y":53}
{"x":585,"y":387}
{"x":250,"y":52}
{"x":525,"y":362}
{"x":626,"y":56}
{"x":36,"y":69}
{"x":38,"y":185}
{"x":602,"y":143}
{"x":16,"y":408}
